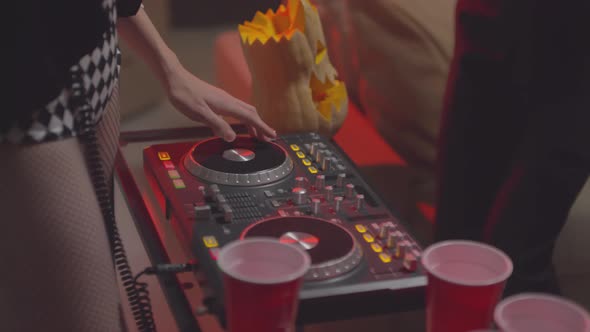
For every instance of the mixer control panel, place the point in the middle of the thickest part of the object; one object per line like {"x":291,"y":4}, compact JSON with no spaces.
{"x":301,"y":189}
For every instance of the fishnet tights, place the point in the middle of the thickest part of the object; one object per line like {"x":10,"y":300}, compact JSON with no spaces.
{"x":57,"y":272}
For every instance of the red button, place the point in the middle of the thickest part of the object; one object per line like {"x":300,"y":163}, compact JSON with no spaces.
{"x":168,"y":165}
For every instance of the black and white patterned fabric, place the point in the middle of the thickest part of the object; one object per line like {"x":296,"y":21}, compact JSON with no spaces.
{"x":98,"y":72}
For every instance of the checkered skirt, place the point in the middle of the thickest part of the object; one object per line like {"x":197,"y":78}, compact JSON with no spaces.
{"x":97,"y":73}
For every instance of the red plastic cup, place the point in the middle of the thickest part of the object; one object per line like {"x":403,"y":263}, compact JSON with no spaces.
{"x":465,"y":282}
{"x":262,"y":278}
{"x":532,"y":312}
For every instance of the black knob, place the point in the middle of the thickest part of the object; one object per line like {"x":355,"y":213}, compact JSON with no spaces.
{"x":202,"y":212}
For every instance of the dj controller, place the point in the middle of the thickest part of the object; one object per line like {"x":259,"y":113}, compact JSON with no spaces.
{"x":301,"y":189}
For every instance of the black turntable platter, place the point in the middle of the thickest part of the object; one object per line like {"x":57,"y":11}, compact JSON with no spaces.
{"x":256,"y":155}
{"x":245,"y":161}
{"x":333,"y":250}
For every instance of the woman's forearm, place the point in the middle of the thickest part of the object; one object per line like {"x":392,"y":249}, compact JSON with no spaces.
{"x":191,"y":96}
{"x":140,"y":34}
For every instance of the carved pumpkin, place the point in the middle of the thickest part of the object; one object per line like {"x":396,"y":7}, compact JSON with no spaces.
{"x":294,"y":85}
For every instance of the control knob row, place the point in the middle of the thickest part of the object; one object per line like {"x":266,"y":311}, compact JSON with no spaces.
{"x":322,"y":157}
{"x":320,"y":182}
{"x":300,"y":193}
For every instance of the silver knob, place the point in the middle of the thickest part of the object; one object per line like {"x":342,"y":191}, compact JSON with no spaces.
{"x":349,"y":193}
{"x":326,"y":163}
{"x":340,"y":179}
{"x":214,"y":190}
{"x":391,"y":241}
{"x":299,"y":195}
{"x":301,"y":182}
{"x":329,"y":192}
{"x":338,"y":203}
{"x":410,"y":262}
{"x":220,"y":199}
{"x":360,"y":201}
{"x":320,"y":181}
{"x":383,"y":232}
{"x":313,"y":149}
{"x":315,"y":206}
{"x":319,"y":155}
{"x":401,"y":248}
{"x":228,"y":213}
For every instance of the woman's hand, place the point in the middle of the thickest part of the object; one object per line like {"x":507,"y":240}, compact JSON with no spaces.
{"x":205,"y":103}
{"x":194,"y":98}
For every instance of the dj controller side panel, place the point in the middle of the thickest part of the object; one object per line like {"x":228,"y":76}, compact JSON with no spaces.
{"x":301,"y":189}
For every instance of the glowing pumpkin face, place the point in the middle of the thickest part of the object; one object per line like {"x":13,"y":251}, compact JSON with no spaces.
{"x":294,"y":85}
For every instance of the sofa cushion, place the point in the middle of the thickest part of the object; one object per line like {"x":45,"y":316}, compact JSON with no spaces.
{"x":399,"y":53}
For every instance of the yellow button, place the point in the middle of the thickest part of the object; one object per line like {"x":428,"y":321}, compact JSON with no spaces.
{"x":376,"y":247}
{"x":306,"y":162}
{"x":179,"y":184}
{"x":300,"y":154}
{"x":385,"y":258}
{"x":294,"y":147}
{"x":210,"y":241}
{"x":312,"y":170}
{"x":163,"y":156}
{"x":368,"y":237}
{"x":360,"y":228}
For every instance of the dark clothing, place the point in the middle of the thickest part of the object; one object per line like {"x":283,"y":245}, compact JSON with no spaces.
{"x":50,"y":37}
{"x":514,"y":140}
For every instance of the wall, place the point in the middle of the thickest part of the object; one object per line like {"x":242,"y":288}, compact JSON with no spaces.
{"x":139,"y":88}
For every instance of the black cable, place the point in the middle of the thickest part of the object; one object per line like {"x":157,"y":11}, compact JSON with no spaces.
{"x":167,"y":268}
{"x":137,"y":292}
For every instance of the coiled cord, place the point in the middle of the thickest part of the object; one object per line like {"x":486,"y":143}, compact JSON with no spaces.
{"x":137,"y":292}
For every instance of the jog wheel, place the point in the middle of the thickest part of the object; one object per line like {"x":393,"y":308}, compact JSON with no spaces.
{"x":244,"y":162}
{"x":333,"y":249}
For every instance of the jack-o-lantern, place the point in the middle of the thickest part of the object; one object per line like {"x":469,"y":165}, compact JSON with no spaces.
{"x":294,"y":85}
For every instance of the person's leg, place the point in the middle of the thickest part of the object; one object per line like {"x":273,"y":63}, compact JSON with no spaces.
{"x":107,"y":133}
{"x":483,"y":117}
{"x":475,"y":151}
{"x":480,"y":128}
{"x":554,"y":162}
{"x":530,"y":212}
{"x":61,"y":276}
{"x":57,"y":273}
